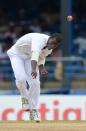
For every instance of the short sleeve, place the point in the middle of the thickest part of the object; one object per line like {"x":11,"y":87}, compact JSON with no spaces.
{"x":37,"y":45}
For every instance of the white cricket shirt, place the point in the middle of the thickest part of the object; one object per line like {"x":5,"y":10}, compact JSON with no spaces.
{"x":31,"y":46}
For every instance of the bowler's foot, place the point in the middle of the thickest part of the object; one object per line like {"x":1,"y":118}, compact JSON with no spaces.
{"x":35,"y":116}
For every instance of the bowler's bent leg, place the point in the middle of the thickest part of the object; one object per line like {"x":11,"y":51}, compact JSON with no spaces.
{"x":20,"y":75}
{"x":34,"y":86}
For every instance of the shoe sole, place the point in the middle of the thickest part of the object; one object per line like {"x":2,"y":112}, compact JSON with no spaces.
{"x":26,"y":110}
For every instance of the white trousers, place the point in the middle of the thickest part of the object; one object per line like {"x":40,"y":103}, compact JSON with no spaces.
{"x":22,"y":72}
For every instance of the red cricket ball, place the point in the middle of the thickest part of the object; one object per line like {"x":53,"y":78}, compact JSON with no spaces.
{"x":69,"y":18}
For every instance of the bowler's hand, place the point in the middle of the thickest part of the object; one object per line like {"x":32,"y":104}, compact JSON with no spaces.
{"x":43,"y":70}
{"x":34,"y":74}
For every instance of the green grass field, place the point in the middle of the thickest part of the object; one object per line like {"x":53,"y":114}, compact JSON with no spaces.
{"x":43,"y":126}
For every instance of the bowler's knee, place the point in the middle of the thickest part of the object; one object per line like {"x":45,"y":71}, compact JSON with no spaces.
{"x":20,"y":82}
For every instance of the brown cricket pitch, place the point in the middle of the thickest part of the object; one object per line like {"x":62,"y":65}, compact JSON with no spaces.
{"x":43,"y":126}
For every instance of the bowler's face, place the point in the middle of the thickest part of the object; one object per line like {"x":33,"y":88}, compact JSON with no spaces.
{"x":52,"y":44}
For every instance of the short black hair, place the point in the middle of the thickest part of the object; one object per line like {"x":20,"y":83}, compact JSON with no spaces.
{"x":57,"y":36}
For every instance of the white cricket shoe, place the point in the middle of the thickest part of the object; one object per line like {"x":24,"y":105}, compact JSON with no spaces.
{"x":25,"y":104}
{"x":35,"y":116}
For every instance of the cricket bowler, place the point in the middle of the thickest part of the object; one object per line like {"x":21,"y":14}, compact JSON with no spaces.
{"x":27,"y":58}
